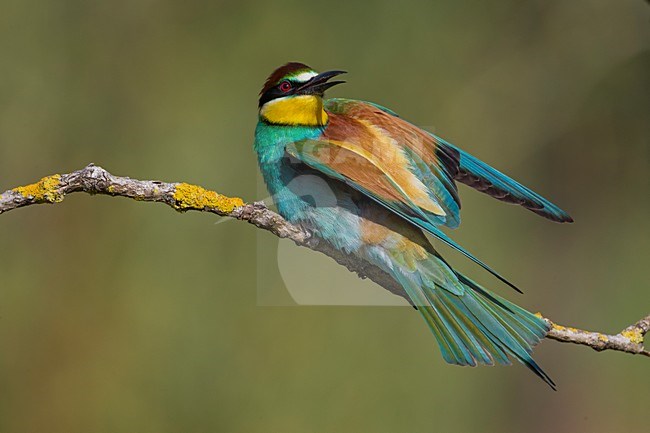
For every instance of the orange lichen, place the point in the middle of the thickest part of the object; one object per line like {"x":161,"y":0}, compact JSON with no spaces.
{"x":603,"y":338}
{"x":45,"y":190}
{"x":634,"y":335}
{"x":188,"y":196}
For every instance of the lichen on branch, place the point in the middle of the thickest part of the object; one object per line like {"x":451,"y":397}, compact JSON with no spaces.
{"x":195,"y":197}
{"x":45,"y":190}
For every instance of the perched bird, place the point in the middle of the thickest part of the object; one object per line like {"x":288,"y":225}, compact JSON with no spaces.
{"x":371,"y":184}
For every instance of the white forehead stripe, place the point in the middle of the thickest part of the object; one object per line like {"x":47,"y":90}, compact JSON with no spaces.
{"x":305,"y":76}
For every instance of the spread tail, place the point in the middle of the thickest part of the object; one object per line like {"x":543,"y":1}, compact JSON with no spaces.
{"x":472,"y":325}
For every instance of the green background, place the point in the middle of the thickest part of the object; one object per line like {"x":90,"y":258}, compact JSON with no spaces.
{"x":117,"y":316}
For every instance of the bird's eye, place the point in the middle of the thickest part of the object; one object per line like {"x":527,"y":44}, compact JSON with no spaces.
{"x":285,"y":86}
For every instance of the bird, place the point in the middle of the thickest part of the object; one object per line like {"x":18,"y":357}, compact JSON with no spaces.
{"x":372,"y":185}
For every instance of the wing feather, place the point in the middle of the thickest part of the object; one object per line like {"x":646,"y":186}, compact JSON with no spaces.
{"x":466,"y":168}
{"x":402,"y":175}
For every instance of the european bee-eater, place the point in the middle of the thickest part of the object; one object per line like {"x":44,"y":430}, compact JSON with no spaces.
{"x":371,"y":184}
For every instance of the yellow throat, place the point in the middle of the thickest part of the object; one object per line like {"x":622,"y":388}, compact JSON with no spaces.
{"x":306,"y":110}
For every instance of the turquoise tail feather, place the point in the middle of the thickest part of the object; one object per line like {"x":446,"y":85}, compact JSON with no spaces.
{"x":472,"y":325}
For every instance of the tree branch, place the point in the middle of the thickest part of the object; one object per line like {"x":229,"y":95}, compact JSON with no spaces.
{"x":183,"y":197}
{"x":629,"y":340}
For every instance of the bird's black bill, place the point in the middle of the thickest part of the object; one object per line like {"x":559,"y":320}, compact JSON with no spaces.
{"x":318,"y":84}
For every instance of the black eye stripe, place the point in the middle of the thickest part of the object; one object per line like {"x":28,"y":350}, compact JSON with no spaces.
{"x":275,"y":92}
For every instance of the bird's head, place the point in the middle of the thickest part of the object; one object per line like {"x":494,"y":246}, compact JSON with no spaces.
{"x":293,"y":95}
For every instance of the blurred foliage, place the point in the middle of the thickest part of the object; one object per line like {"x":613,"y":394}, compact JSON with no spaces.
{"x":121,"y":317}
